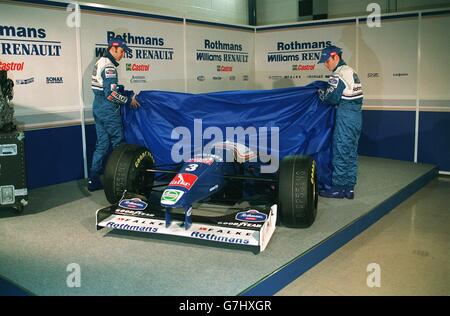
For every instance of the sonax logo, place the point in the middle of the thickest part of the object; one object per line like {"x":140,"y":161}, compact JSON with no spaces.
{"x":185,"y":180}
{"x":54,"y":80}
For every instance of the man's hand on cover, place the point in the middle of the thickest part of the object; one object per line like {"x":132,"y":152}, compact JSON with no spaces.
{"x":134,"y":103}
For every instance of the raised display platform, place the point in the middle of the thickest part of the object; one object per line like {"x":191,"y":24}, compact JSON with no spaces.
{"x":58,"y":229}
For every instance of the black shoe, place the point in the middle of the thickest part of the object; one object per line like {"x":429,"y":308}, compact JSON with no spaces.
{"x":334,"y":193}
{"x":349,"y":193}
{"x":94,"y":185}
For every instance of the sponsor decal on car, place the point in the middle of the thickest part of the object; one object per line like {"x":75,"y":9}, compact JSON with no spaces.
{"x":185,"y":180}
{"x":135,"y":204}
{"x":224,"y":231}
{"x":171,"y":196}
{"x":54,"y":80}
{"x":213,"y":237}
{"x":251,"y":216}
{"x":25,"y":81}
{"x":205,"y":160}
{"x":135,"y":228}
{"x":214,"y":188}
{"x":240,"y":224}
{"x":121,"y":211}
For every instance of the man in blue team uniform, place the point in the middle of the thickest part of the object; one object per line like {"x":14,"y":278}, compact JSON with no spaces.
{"x":345,"y":92}
{"x":108,"y":97}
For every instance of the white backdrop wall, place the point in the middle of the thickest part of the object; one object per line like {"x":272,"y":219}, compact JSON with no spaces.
{"x":53,"y":88}
{"x":386,"y":58}
{"x":219,"y":58}
{"x":155,"y":63}
{"x":289,"y":57}
{"x":188,"y":56}
{"x":404,"y":65}
{"x":48,"y":82}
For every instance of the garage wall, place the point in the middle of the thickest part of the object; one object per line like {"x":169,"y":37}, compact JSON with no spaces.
{"x":222,"y":11}
{"x":403,"y":66}
{"x":53,"y":98}
{"x":407,"y":104}
{"x":276,"y":12}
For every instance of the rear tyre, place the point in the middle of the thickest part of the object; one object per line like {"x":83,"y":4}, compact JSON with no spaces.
{"x":124,"y":170}
{"x":297,"y":191}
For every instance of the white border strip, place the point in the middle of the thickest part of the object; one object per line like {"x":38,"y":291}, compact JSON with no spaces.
{"x":419,"y":47}
{"x":81,"y":98}
{"x":185,"y":57}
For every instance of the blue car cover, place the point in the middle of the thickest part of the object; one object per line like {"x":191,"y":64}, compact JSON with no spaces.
{"x":305,"y":123}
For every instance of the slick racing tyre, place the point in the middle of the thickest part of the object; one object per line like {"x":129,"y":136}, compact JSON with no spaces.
{"x":124,"y":171}
{"x":297,"y":191}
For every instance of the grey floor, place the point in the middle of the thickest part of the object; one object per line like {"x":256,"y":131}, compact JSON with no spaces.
{"x":58,"y":229}
{"x":411,"y":246}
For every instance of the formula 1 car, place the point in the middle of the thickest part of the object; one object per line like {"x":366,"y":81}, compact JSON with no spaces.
{"x":250,"y":203}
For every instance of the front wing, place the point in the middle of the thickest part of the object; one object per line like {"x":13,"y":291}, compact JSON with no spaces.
{"x":247,"y":227}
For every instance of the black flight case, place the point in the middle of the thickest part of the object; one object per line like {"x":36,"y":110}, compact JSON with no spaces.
{"x":13,"y":180}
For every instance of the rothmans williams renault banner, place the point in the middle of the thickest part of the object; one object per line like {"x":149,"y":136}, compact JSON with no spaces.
{"x":271,"y":123}
{"x":38,"y":49}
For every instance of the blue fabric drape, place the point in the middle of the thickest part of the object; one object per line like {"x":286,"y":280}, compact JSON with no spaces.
{"x":305,"y":123}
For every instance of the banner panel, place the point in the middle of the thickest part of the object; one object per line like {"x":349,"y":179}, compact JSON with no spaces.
{"x":38,"y":49}
{"x":388,"y":59}
{"x":219,"y":59}
{"x":435,"y":59}
{"x":288,"y":57}
{"x":156,"y":60}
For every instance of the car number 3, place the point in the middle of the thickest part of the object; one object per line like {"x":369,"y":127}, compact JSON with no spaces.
{"x":191,"y":167}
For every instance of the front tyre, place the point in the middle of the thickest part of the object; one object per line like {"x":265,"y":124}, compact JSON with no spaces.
{"x":125,"y":171}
